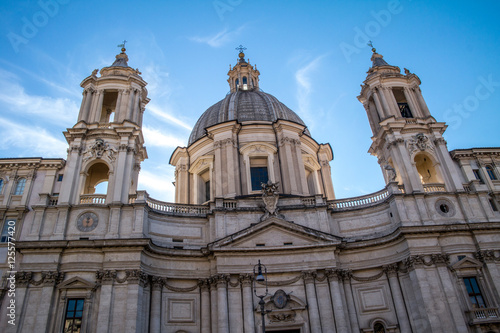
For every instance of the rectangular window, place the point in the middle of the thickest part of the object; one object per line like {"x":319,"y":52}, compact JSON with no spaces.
{"x":207,"y":191}
{"x":474,"y":292}
{"x":478,"y":175}
{"x":60,"y":178}
{"x":21,"y":183}
{"x":258,"y":175}
{"x":74,"y":314}
{"x":4,"y":237}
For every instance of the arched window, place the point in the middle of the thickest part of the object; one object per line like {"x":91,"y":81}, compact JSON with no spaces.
{"x":490,"y":172}
{"x":21,"y":182}
{"x":245,"y":80}
{"x":1,"y":185}
{"x":237,"y":82}
{"x":378,"y":328}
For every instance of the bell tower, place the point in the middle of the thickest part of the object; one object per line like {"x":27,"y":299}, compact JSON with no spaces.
{"x":106,"y":145}
{"x":407,"y":140}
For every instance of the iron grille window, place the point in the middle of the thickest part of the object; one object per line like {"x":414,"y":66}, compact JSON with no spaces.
{"x":475,"y":295}
{"x":74,"y":314}
{"x":259,"y":175}
{"x":405,"y":110}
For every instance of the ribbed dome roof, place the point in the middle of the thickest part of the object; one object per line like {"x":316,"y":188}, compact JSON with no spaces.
{"x":244,"y":106}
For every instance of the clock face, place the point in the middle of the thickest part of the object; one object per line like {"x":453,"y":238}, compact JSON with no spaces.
{"x":87,"y":221}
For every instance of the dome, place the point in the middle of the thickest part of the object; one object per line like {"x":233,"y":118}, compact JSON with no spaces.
{"x":244,"y":105}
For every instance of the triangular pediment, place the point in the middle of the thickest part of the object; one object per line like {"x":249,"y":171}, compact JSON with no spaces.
{"x":76,"y":283}
{"x":274,"y":233}
{"x":466,"y":263}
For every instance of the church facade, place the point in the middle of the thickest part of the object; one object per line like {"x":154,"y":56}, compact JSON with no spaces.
{"x":256,"y":240}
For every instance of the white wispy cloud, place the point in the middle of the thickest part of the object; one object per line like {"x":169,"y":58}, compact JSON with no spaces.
{"x":158,"y":183}
{"x":222,"y":37}
{"x":73,"y":91}
{"x":166,"y":117}
{"x":155,"y":138}
{"x":33,"y":139}
{"x":304,"y":79}
{"x":14,"y":99}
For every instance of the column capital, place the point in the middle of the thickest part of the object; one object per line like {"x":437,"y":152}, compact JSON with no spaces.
{"x":333,"y":274}
{"x":204,"y":284}
{"x":391,"y":270}
{"x":309,"y":276}
{"x":246,"y":279}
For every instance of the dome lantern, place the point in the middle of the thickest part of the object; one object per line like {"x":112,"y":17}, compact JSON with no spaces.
{"x":243,"y":76}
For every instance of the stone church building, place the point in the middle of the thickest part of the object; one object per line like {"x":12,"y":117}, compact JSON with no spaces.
{"x":252,"y":187}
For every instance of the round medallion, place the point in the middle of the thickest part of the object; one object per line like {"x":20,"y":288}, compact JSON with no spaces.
{"x":280,"y":299}
{"x":87,"y":221}
{"x":445,"y":207}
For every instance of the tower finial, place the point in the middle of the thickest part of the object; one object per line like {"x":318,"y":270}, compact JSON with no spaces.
{"x":370,"y":44}
{"x":122,"y":46}
{"x":241,"y":48}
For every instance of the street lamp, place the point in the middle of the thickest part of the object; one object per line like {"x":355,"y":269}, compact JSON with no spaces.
{"x":260,"y":275}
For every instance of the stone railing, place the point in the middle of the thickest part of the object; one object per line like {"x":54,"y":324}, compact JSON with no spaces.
{"x":230,"y":204}
{"x":53,"y":200}
{"x":309,"y":201}
{"x":437,"y":187}
{"x":99,"y":199}
{"x":359,"y":202}
{"x":167,"y":207}
{"x":484,"y":315}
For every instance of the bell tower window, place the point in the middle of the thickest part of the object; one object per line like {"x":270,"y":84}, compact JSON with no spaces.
{"x":404,"y":108}
{"x":108,"y":106}
{"x":426,"y":169}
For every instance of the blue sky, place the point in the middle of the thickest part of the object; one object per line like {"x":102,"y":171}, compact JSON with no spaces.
{"x":312,"y":56}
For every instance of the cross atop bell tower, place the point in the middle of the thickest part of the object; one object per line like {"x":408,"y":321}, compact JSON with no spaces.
{"x":243,"y":76}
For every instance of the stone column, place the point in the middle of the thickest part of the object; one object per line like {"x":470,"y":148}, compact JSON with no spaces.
{"x":381,"y":109}
{"x":312,"y":302}
{"x":338,"y":306}
{"x":397,"y":296}
{"x":97,"y":107}
{"x":49,"y":280}
{"x":409,"y":99}
{"x":103,"y":317}
{"x":213,"y":306}
{"x":155,"y":311}
{"x":390,"y":101}
{"x":222,"y":318}
{"x":353,"y":317}
{"x":248,"y":312}
{"x":421,"y":100}
{"x":232,"y":162}
{"x":89,"y":94}
{"x":118,"y":105}
{"x":136,"y":108}
{"x":325,"y":305}
{"x":441,"y":261}
{"x":218,"y":170}
{"x":429,"y":310}
{"x":81,"y":113}
{"x":204,"y":285}
{"x":488,"y":257}
{"x":235,"y":306}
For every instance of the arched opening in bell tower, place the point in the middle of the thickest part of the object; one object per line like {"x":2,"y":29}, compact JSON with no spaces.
{"x":403,"y":106}
{"x":96,"y":179}
{"x":427,"y":169}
